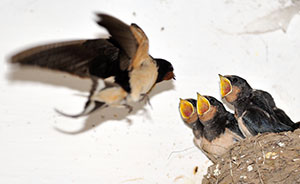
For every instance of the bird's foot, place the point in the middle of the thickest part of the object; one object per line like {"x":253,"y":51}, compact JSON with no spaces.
{"x":146,"y":98}
{"x":129,"y":107}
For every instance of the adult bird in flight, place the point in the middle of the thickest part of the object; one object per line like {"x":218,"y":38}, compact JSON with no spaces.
{"x":120,"y":66}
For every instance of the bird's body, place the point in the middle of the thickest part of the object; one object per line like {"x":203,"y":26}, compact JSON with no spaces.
{"x":188,"y":112}
{"x":215,"y":129}
{"x":143,"y":78}
{"x":120,"y":67}
{"x":220,"y":129}
{"x":261,"y":97}
{"x":255,"y":110}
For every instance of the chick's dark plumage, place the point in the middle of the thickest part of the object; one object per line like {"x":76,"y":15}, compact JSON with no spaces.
{"x":188,"y":113}
{"x":255,"y":110}
{"x":214,"y":128}
{"x":220,"y":128}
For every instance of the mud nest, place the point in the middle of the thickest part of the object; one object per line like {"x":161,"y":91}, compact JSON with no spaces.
{"x":266,"y":158}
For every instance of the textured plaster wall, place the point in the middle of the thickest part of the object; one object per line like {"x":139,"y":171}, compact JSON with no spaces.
{"x":151,"y":145}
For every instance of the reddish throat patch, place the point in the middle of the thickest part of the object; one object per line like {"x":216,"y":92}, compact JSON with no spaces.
{"x":169,"y":75}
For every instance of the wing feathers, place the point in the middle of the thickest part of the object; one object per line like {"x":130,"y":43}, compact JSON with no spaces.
{"x":120,"y":33}
{"x":257,"y":121}
{"x":74,"y":57}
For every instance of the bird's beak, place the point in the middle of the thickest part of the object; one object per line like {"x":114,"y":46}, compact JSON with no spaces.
{"x":186,"y":109}
{"x":225,"y":86}
{"x":203,"y":104}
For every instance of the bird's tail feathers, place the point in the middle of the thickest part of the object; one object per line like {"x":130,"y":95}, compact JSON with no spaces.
{"x":297,"y":125}
{"x":90,"y":105}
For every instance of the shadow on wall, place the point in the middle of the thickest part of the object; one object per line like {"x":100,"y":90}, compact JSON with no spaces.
{"x":99,"y":116}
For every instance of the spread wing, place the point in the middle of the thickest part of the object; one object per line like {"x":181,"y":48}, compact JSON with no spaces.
{"x":99,"y":57}
{"x":82,"y":58}
{"x":143,"y":46}
{"x":122,"y":34}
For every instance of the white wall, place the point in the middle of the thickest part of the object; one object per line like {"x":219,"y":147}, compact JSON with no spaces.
{"x":150,"y":145}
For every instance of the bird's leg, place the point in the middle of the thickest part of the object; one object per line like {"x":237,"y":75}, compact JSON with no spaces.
{"x":129,"y":107}
{"x":146,"y":98}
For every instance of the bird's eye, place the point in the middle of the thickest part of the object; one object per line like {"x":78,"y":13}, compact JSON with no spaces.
{"x":212,"y":101}
{"x":234,"y":80}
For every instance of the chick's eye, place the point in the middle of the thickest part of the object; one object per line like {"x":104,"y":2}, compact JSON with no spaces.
{"x":234,"y":80}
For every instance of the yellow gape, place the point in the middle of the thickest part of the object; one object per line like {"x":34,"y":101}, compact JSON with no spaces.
{"x":186,"y":109}
{"x":203,"y":104}
{"x":225,"y":86}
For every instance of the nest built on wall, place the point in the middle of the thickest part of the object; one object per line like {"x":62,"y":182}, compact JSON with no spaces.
{"x":265,"y":158}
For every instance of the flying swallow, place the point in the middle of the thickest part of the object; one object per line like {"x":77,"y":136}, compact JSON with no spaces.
{"x":255,"y":110}
{"x":220,"y":128}
{"x":120,"y":67}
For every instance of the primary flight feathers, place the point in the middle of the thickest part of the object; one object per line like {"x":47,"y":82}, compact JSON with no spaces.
{"x":120,"y":67}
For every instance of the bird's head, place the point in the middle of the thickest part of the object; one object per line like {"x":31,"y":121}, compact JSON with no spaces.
{"x":208,"y":107}
{"x":165,"y":70}
{"x":187,"y":109}
{"x":233,"y":87}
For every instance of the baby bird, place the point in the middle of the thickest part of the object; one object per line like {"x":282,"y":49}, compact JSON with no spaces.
{"x":209,"y":134}
{"x":188,"y":113}
{"x":220,"y":128}
{"x":187,"y":109}
{"x":255,"y":110}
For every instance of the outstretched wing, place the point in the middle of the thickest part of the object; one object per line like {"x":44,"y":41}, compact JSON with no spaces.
{"x":122,"y":34}
{"x":82,"y":58}
{"x":132,"y":40}
{"x":143,"y":46}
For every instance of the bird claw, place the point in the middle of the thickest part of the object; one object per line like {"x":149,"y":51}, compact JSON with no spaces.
{"x":130,"y":108}
{"x":146,"y":98}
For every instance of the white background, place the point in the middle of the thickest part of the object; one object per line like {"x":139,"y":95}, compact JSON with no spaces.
{"x":150,"y":145}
